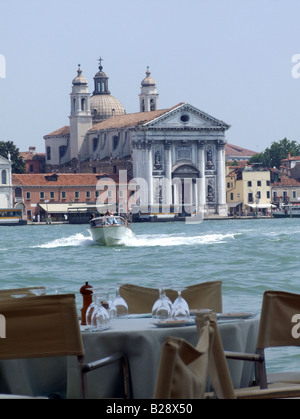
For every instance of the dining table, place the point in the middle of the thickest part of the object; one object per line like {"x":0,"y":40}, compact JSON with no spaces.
{"x":141,"y":339}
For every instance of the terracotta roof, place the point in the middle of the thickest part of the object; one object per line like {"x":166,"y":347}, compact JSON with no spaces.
{"x":61,"y":131}
{"x":131,"y":119}
{"x":234,"y":150}
{"x":63,"y":179}
{"x":287,"y":182}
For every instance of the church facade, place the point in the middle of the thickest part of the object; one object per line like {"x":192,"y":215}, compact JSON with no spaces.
{"x":176,"y":156}
{"x":6,"y":188}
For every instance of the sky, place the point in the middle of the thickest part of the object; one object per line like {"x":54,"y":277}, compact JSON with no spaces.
{"x":237,"y":60}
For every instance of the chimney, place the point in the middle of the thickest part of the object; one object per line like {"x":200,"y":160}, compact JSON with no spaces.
{"x":32,"y":149}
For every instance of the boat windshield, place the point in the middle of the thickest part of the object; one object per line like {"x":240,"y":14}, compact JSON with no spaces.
{"x":107,"y":220}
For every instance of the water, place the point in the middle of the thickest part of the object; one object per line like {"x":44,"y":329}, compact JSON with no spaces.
{"x":248,"y":256}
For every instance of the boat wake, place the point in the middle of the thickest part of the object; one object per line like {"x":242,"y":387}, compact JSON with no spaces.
{"x":164,"y":240}
{"x":75,"y":240}
{"x":147,"y":240}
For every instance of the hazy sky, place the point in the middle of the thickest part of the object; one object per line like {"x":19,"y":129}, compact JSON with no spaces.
{"x":230,"y":58}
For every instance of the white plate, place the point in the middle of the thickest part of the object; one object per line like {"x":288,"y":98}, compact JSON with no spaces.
{"x":174,"y":323}
{"x":234,"y":316}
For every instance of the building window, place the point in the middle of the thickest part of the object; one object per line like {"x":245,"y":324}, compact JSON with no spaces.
{"x":268,"y":183}
{"x":83,"y":104}
{"x":250,"y":197}
{"x":3,"y":177}
{"x":88,"y":194}
{"x":115,"y":141}
{"x":63,"y":195}
{"x":28,"y":195}
{"x":152,"y":105}
{"x":52,"y":195}
{"x":294,"y":194}
{"x":268,"y":194}
{"x":258,"y":194}
{"x":42,"y":195}
{"x":249,"y":183}
{"x":76,"y":194}
{"x":31,"y":168}
{"x":95,"y":143}
{"x":97,"y":194}
{"x":259,"y":183}
{"x":48,"y":152}
{"x":18,"y":193}
{"x":231,"y":196}
{"x":62,"y":150}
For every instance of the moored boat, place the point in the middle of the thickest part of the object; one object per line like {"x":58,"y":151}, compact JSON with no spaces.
{"x":285,"y":211}
{"x":11,"y":217}
{"x":110,"y":230}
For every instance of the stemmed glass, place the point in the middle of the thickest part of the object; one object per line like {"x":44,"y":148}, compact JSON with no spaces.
{"x":180,"y":308}
{"x":163,"y":305}
{"x":92,"y":308}
{"x":119,"y":305}
{"x":100,"y":317}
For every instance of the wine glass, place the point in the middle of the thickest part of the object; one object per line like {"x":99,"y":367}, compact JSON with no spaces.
{"x":92,"y":308}
{"x":162,"y":307}
{"x":180,"y":308}
{"x":119,"y":305}
{"x":108,"y":304}
{"x":100,"y":317}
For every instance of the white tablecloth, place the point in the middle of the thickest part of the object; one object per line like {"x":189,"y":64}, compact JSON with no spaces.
{"x":141,"y":340}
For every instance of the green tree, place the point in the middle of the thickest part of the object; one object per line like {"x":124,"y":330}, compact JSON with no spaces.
{"x":279,"y":150}
{"x":18,"y":164}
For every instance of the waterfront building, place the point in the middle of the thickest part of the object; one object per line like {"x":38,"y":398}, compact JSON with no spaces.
{"x":248,"y":191}
{"x":59,"y":193}
{"x":178,"y":153}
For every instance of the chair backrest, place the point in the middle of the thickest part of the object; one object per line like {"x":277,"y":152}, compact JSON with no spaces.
{"x":40,"y":326}
{"x":278,"y":326}
{"x":218,"y":368}
{"x":183,"y":369}
{"x":139,"y":299}
{"x":205,"y":295}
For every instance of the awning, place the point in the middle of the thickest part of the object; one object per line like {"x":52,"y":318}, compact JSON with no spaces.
{"x":261,"y":206}
{"x":55,"y":208}
{"x":81,"y":207}
{"x":233,"y":204}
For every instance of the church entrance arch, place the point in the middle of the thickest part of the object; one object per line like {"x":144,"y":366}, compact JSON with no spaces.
{"x":184,"y":187}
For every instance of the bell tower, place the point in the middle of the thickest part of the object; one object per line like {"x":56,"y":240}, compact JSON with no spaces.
{"x":80,"y":116}
{"x":148,"y":95}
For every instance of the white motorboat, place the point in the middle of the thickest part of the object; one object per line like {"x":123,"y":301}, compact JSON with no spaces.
{"x":110,"y":230}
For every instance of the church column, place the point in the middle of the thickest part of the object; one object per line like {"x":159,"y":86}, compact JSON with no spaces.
{"x":168,"y":174}
{"x":201,"y":198}
{"x":222,"y":206}
{"x":149,"y":170}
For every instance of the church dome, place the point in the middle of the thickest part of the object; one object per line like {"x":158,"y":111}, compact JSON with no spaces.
{"x":105,"y":106}
{"x":79,"y":79}
{"x":102,"y":104}
{"x":148,"y":81}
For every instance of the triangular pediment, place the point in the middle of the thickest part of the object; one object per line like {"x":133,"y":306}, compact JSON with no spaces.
{"x":186,"y":116}
{"x":4,"y":161}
